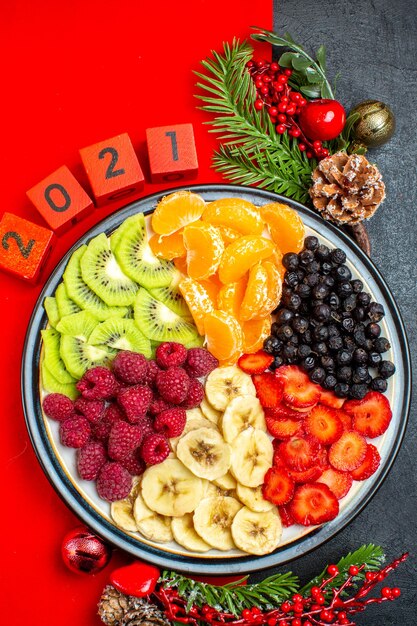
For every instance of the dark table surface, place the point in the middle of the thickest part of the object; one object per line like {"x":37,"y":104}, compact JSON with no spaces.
{"x":373,"y":44}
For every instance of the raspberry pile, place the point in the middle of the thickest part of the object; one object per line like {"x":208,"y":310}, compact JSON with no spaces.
{"x":282,"y":103}
{"x":126,"y":414}
{"x":328,"y":324}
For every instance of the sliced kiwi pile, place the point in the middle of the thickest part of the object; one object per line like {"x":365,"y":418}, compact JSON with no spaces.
{"x":115,"y":295}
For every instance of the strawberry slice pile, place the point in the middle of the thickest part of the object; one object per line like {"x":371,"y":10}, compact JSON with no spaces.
{"x":320,"y":444}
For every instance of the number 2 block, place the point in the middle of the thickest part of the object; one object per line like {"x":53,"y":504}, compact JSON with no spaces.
{"x":60,"y":200}
{"x":172,"y":152}
{"x":113,"y":169}
{"x":24,"y":246}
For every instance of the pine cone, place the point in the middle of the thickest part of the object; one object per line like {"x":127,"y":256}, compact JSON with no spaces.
{"x":117,"y":609}
{"x":346,"y":188}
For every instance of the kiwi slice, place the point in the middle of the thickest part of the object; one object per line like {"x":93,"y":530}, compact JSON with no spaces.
{"x":121,"y":334}
{"x":81,"y":294}
{"x":171,"y":297}
{"x":115,"y":238}
{"x":80,"y":356}
{"x":51,"y":343}
{"x":137,"y":259}
{"x":51,"y":384}
{"x":104,"y":276}
{"x":159,"y":323}
{"x":195,"y":343}
{"x":65,"y":305}
{"x":52,"y":312}
{"x":79,"y":325}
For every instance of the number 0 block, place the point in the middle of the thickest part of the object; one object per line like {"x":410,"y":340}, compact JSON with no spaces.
{"x":24,"y":246}
{"x":113,"y":169}
{"x":60,"y":200}
{"x":172,"y":152}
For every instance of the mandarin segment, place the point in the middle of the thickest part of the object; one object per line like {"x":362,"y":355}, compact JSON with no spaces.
{"x":285,"y":226}
{"x":176,"y":211}
{"x":229,"y":235}
{"x":224,"y":336}
{"x":231,"y":296}
{"x":181,"y":264}
{"x":241,"y":255}
{"x":255,"y":294}
{"x":205,"y":247}
{"x":274,"y":289}
{"x":254,"y":334}
{"x":198,"y":301}
{"x":212,"y":285}
{"x":234,"y":213}
{"x":169,"y":247}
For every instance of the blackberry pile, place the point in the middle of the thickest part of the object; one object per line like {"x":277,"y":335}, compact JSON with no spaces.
{"x":328,"y":324}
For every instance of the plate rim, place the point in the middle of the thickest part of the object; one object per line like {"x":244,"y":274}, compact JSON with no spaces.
{"x":40,"y":441}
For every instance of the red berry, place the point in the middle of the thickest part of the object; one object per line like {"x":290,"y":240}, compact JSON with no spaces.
{"x":291,"y":109}
{"x":114,"y":482}
{"x":138,"y":579}
{"x":274,"y":67}
{"x":320,"y":599}
{"x":135,"y":402}
{"x":93,"y":410}
{"x":302,"y":102}
{"x":324,"y":424}
{"x":322,"y":119}
{"x":315,"y":591}
{"x":282,"y":118}
{"x":58,"y":407}
{"x":371,"y":416}
{"x":313,"y":504}
{"x":287,"y":71}
{"x":296,"y":622}
{"x":158,"y":405}
{"x":200,"y":362}
{"x":134,"y":463}
{"x":170,"y":354}
{"x":396,"y":592}
{"x":255,"y":363}
{"x":316,"y":144}
{"x":151,"y":373}
{"x":282,"y":107}
{"x":302,"y":146}
{"x":130,"y":367}
{"x":282,"y":78}
{"x":370,"y":576}
{"x":123,"y":439}
{"x":278,"y":87}
{"x":324,"y":152}
{"x":296,"y":132}
{"x":342,"y":615}
{"x":298,"y":607}
{"x":273,"y":111}
{"x":259,"y":105}
{"x":369,"y":465}
{"x":348,"y":452}
{"x":386,"y":592}
{"x":195,"y":395}
{"x":278,"y":487}
{"x":353,"y":570}
{"x":333,"y":570}
{"x":90,"y":459}
{"x":154,"y":449}
{"x":171,"y":422}
{"x":266,"y":78}
{"x":173,"y":384}
{"x":98,"y":383}
{"x":246,"y":614}
{"x":295,"y":96}
{"x":299,"y":391}
{"x":268,"y":389}
{"x":75,"y":432}
{"x":280,"y":128}
{"x":286,"y":607}
{"x":264,"y":90}
{"x":285,"y":99}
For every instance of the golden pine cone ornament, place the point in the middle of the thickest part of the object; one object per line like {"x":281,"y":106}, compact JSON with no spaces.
{"x":346,"y":189}
{"x":117,"y":609}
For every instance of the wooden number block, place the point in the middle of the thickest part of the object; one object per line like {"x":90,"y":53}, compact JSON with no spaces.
{"x":172,"y":152}
{"x":113,"y":169}
{"x":24,"y":246}
{"x":61,"y":200}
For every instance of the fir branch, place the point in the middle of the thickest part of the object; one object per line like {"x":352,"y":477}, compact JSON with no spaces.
{"x":266,"y":594}
{"x":370,"y":555}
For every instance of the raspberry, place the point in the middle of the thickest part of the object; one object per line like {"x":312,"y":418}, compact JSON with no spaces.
{"x":134,"y":464}
{"x":171,"y":422}
{"x":195,"y":395}
{"x":158,"y":405}
{"x":130,"y":367}
{"x":170,"y":354}
{"x":135,"y":402}
{"x":146,"y":423}
{"x":153,"y":369}
{"x":154,"y":449}
{"x":200,"y":362}
{"x":114,"y":482}
{"x":98,"y":384}
{"x":58,"y":407}
{"x":91,"y":459}
{"x":75,"y":432}
{"x":93,"y":410}
{"x":112,"y":414}
{"x":124,"y":438}
{"x":173,"y":384}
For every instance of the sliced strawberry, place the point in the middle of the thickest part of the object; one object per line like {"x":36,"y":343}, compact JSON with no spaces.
{"x":328,"y":398}
{"x":309,"y":475}
{"x":299,"y":453}
{"x":323,"y":424}
{"x":284,"y":411}
{"x":369,"y":465}
{"x":278,"y":487}
{"x":338,"y":482}
{"x":281,"y":427}
{"x":255,"y":363}
{"x":313,"y":503}
{"x":268,"y":389}
{"x":345,"y":419}
{"x":286,"y":519}
{"x":299,"y":391}
{"x":370,"y":416}
{"x":348,"y":452}
{"x":323,"y":459}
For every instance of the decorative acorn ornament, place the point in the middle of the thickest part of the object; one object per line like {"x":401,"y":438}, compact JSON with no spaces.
{"x":375,"y":126}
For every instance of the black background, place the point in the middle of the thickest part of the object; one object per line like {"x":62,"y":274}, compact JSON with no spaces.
{"x":373,"y":44}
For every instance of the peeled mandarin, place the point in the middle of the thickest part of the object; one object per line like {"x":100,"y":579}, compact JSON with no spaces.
{"x":176,"y":211}
{"x":224,"y":335}
{"x":169,"y":247}
{"x":285,"y":226}
{"x":255,"y":294}
{"x":241,"y":255}
{"x":254,"y":334}
{"x":212,"y":285}
{"x":198,"y":301}
{"x":229,"y":235}
{"x":231,"y":295}
{"x":274,"y":289}
{"x":204,"y":247}
{"x":181,"y":264}
{"x":234,"y":213}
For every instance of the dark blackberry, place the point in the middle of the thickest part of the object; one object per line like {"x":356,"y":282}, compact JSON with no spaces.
{"x":274,"y":328}
{"x":309,"y":362}
{"x":334,"y":301}
{"x":272,"y":345}
{"x":358,"y":391}
{"x":291,"y":279}
{"x":386,"y":369}
{"x":303,"y":350}
{"x":322,"y":312}
{"x":357,"y":285}
{"x":289,"y":352}
{"x":328,"y":363}
{"x":294,"y":340}
{"x":278,"y":361}
{"x":286,"y":291}
{"x":348,"y":324}
{"x":303,"y":290}
{"x":320,"y":292}
{"x":338,"y":256}
{"x":328,"y":281}
{"x":374,"y":358}
{"x":364,"y":298}
{"x":329,"y":382}
{"x":344,"y":374}
{"x":312,"y":280}
{"x":369,"y":345}
{"x":349,"y":303}
{"x":320,"y":348}
{"x":322,"y":252}
{"x":379,"y":384}
{"x":335,"y":343}
{"x":284,"y":316}
{"x":373,"y":330}
{"x":381,"y":344}
{"x":344,"y":357}
{"x":311,"y":243}
{"x":290,"y":261}
{"x":293,"y":302}
{"x":304,"y":308}
{"x":349,"y":343}
{"x":360,"y":374}
{"x":313,"y":267}
{"x":285,"y":332}
{"x":326,"y":267}
{"x":321,"y":333}
{"x":307,"y":337}
{"x":360,"y":338}
{"x":342,"y":390}
{"x":359,"y":313}
{"x":360,"y":355}
{"x":301,"y":275}
{"x":344,"y":289}
{"x":342,"y":272}
{"x":333,"y":330}
{"x":300,"y":324}
{"x":375,"y":312}
{"x":305,"y":257}
{"x":317,"y":375}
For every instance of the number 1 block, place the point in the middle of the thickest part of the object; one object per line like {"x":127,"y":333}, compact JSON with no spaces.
{"x":24,"y":246}
{"x":113,"y":169}
{"x":60,"y":200}
{"x":172,"y":152}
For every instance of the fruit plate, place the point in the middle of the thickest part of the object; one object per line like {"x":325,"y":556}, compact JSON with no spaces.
{"x":59,"y":462}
